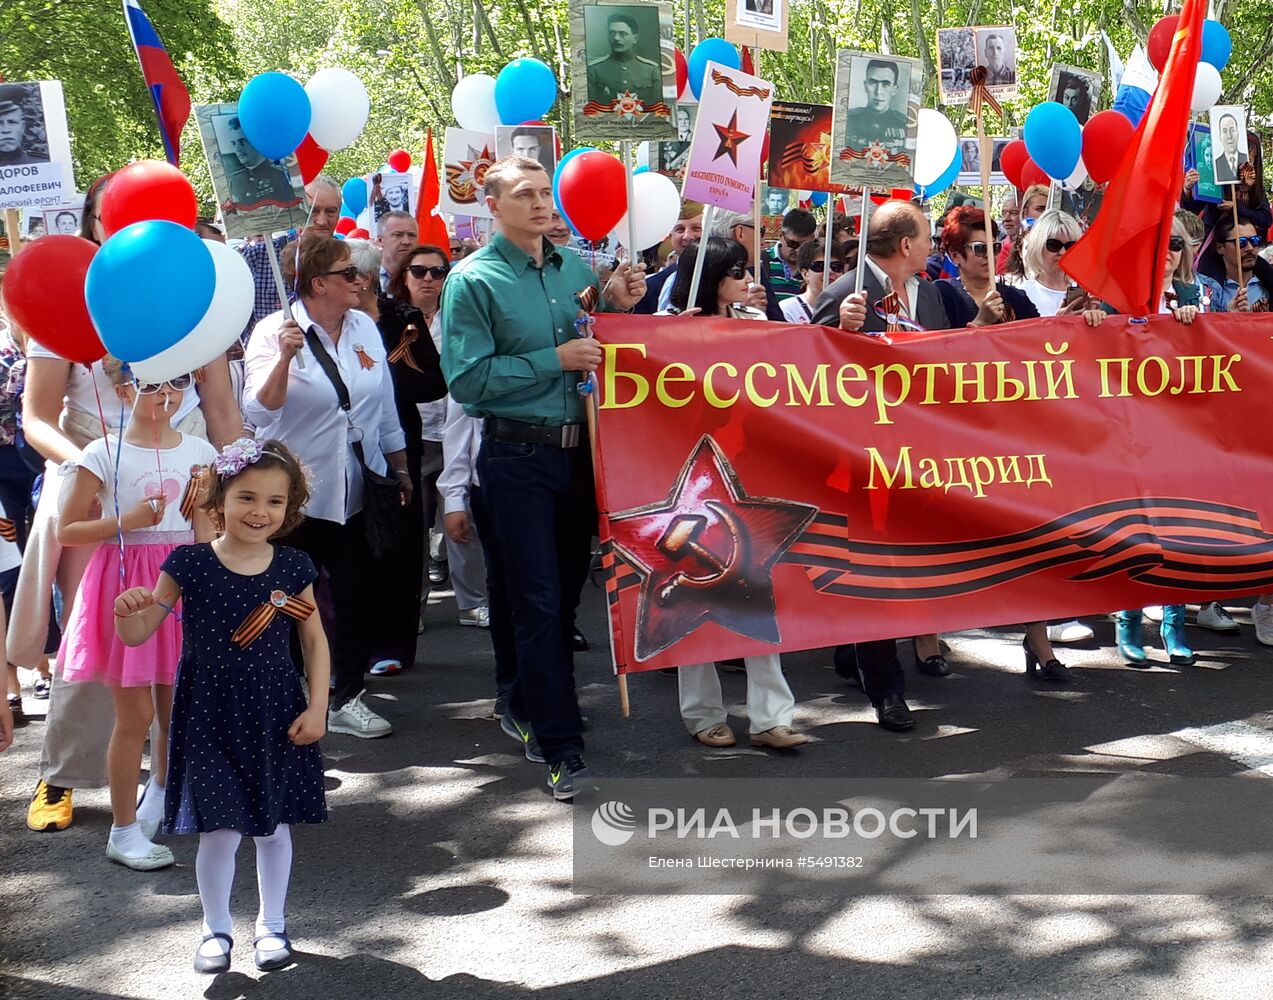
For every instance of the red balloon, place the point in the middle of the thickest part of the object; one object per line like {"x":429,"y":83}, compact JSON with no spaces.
{"x":359,"y":234}
{"x":593,"y":191}
{"x":311,"y":158}
{"x":345,"y":225}
{"x":1012,"y":159}
{"x":148,"y":189}
{"x":400,"y":160}
{"x":682,"y":73}
{"x":44,"y":293}
{"x":1158,"y":47}
{"x":1106,"y":137}
{"x":1032,"y":173}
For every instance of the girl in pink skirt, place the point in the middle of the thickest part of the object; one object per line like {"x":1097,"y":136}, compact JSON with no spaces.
{"x":155,"y":472}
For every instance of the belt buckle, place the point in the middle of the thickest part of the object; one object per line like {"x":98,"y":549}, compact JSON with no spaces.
{"x":570,"y":436}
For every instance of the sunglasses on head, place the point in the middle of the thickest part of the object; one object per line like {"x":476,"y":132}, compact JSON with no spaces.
{"x":178,"y":384}
{"x":423,"y":271}
{"x":738,"y":272}
{"x":1244,"y":242}
{"x":978,"y":249}
{"x":1056,"y":246}
{"x":837,"y":266}
{"x":349,"y":273}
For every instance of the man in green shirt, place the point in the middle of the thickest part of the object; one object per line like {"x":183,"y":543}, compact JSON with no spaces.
{"x":512,"y":355}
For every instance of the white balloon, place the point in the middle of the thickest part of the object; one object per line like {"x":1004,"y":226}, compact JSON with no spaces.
{"x":227,"y":316}
{"x":1206,"y":87}
{"x":339,"y":108}
{"x":473,"y":101}
{"x":935,"y":146}
{"x":658,"y":206}
{"x":1076,"y":179}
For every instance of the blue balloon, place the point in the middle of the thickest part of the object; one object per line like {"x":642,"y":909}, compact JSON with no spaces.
{"x":557,"y":175}
{"x":643,"y":169}
{"x":817,"y":198}
{"x":354,"y":194}
{"x":1217,"y":46}
{"x":148,"y":286}
{"x":947,"y":178}
{"x":715,"y":50}
{"x":274,"y":112}
{"x":339,"y":236}
{"x":524,"y":91}
{"x":1053,"y":138}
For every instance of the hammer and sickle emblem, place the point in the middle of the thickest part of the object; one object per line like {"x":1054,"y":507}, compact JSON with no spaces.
{"x":683,"y":536}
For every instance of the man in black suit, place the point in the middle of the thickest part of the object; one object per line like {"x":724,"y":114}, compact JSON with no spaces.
{"x":1231,"y":156}
{"x":899,"y":239}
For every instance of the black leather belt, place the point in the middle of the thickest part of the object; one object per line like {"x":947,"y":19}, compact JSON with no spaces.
{"x":517,"y":432}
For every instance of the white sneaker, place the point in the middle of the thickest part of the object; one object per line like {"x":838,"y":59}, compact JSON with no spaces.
{"x":479,"y":616}
{"x":1214,"y":617}
{"x":1153,"y":613}
{"x":1073,"y":631}
{"x":1262,"y":615}
{"x":355,"y":719}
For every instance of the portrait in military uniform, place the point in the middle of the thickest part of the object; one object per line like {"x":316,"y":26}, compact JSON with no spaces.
{"x":671,"y":157}
{"x":997,"y":52}
{"x":22,"y":136}
{"x":256,"y":195}
{"x":624,"y":68}
{"x":1078,"y":89}
{"x":956,"y":56}
{"x":539,"y":142}
{"x":875,"y":119}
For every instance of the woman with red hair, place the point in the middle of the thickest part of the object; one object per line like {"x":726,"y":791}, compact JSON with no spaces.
{"x":963,"y":240}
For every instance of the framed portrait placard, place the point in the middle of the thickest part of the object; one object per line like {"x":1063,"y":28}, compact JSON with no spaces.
{"x":671,"y":157}
{"x":800,"y":146}
{"x":399,"y":192}
{"x":466,"y":157}
{"x":956,"y":56}
{"x":760,"y":24}
{"x":970,"y":160}
{"x":1078,"y":89}
{"x":64,"y":219}
{"x":1229,"y":149}
{"x":624,"y":70}
{"x":35,"y":146}
{"x":539,"y":142}
{"x":724,"y":163}
{"x":875,"y":119}
{"x":256,"y":196}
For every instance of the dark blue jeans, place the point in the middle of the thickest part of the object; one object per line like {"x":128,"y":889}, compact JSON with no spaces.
{"x":541,"y":512}
{"x":502,"y":642}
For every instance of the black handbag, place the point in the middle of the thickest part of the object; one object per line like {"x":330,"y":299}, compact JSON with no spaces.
{"x":383,"y":516}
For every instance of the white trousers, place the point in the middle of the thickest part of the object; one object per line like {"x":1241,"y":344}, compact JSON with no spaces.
{"x":770,"y":702}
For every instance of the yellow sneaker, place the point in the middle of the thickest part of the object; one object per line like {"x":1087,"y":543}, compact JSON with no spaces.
{"x":50,"y":809}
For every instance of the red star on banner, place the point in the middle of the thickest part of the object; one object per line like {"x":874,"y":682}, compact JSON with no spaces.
{"x":706,"y":554}
{"x":730,"y":139}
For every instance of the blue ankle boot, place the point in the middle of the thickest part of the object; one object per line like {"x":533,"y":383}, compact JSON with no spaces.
{"x":1131,"y":644}
{"x":1173,"y":635}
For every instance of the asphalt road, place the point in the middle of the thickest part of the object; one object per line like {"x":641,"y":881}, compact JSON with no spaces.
{"x":445,"y":870}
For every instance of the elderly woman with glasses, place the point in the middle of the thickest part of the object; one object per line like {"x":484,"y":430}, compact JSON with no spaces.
{"x":809,"y":269}
{"x":964,"y":241}
{"x":411,"y":331}
{"x":319,"y":380}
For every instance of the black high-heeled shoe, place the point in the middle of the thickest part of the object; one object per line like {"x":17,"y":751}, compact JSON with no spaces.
{"x":1053,"y":670}
{"x":933,"y":666}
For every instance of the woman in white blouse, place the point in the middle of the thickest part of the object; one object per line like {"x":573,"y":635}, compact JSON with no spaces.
{"x":301,"y":406}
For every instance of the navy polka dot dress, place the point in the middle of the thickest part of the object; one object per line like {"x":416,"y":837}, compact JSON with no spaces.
{"x":230,"y":763}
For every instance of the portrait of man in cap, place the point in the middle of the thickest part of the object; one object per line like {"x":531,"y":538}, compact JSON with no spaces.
{"x":632,"y":63}
{"x":21,"y":125}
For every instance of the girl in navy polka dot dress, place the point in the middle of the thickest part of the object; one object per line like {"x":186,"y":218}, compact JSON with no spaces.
{"x":243,"y":744}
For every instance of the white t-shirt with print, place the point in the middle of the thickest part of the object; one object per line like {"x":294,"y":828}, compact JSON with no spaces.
{"x":145,"y":473}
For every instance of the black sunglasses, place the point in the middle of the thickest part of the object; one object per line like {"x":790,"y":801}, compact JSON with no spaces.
{"x":837,"y":266}
{"x":737,"y":272}
{"x":422,"y":271}
{"x":1176,"y":244}
{"x":1056,"y":246}
{"x":978,"y":249}
{"x":794,"y":244}
{"x":349,"y":273}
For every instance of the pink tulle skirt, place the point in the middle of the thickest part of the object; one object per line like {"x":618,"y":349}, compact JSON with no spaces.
{"x":91,"y":651}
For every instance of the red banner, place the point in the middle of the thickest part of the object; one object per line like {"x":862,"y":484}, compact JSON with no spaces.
{"x":768,"y":487}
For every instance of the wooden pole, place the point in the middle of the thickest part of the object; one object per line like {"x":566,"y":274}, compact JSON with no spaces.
{"x":13,"y":230}
{"x":861,"y":275}
{"x":985,"y":152}
{"x":281,"y":289}
{"x":1237,"y":247}
{"x":696,"y":276}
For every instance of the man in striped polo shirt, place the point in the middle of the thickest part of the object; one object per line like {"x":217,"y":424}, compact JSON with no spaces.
{"x":798,"y":228}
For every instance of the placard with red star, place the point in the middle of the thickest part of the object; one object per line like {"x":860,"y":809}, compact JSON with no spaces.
{"x":724,"y":160}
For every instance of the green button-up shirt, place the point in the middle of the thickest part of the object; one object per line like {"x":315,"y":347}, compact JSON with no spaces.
{"x":502,"y":319}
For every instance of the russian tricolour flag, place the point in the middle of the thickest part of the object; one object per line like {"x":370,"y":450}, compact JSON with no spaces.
{"x":172,"y":100}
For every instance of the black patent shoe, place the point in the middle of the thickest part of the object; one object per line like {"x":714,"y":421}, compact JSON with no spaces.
{"x":933,"y":666}
{"x":1053,"y":671}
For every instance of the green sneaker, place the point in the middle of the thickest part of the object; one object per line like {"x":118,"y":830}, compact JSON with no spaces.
{"x":568,"y":777}
{"x":521,"y":732}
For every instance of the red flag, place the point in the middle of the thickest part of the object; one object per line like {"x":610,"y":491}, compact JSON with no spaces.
{"x":748,"y":66}
{"x":1121,"y":256}
{"x":428,"y":218}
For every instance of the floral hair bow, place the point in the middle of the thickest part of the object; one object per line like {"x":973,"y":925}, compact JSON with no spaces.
{"x":236,"y":457}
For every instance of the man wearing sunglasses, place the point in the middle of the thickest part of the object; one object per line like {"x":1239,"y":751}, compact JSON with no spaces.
{"x":798,"y":228}
{"x":1234,"y":246}
{"x":513,"y":356}
{"x":398,"y":233}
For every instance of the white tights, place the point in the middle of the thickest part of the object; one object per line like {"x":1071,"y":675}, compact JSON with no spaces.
{"x":214,"y":871}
